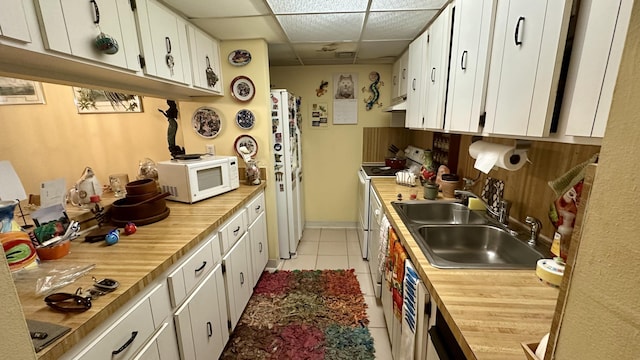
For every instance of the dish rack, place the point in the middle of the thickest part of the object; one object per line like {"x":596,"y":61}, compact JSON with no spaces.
{"x":406,"y":178}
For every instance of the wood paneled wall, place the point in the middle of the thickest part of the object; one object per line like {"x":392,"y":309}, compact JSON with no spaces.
{"x":527,"y":188}
{"x":376,"y":141}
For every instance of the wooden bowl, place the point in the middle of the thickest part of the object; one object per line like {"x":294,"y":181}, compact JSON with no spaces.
{"x":129,"y":210}
{"x":140,"y":187}
{"x":138,"y":198}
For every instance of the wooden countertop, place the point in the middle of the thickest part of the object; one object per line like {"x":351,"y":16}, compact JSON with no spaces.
{"x":135,"y":261}
{"x":490,"y":312}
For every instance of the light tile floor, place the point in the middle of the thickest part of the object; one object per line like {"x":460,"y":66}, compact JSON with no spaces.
{"x":331,"y":248}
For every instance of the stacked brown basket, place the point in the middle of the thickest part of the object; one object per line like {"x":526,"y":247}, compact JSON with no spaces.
{"x":143,"y":204}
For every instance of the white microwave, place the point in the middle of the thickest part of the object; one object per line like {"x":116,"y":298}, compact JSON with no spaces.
{"x":189,"y":181}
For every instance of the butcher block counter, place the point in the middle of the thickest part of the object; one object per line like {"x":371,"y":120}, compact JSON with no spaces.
{"x":135,"y":261}
{"x":490,"y":312}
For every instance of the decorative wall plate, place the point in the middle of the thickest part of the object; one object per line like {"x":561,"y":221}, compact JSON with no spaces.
{"x":245,"y":119}
{"x":239,"y":57}
{"x":206,"y":122}
{"x":242,"y":88}
{"x":247,"y":141}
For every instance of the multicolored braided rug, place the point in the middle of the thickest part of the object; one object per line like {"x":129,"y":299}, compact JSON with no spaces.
{"x":308,"y":314}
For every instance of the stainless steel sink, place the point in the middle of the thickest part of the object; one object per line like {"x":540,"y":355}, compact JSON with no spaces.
{"x":452,"y":236}
{"x":475,"y":246}
{"x":425,"y":212}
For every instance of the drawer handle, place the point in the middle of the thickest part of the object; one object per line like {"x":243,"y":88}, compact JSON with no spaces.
{"x":235,"y":232}
{"x":433,"y":75}
{"x":96,"y":11}
{"x":258,"y":208}
{"x":518,"y":34}
{"x":204,"y":263}
{"x":241,"y":278}
{"x":126,"y":345}
{"x":260,"y":246}
{"x":413,"y":84}
{"x":209,"y":329}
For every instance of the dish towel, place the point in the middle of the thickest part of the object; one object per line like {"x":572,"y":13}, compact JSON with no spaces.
{"x":384,"y":244}
{"x":409,"y":311}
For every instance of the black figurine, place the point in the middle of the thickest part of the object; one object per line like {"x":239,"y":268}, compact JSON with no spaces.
{"x":172,"y":115}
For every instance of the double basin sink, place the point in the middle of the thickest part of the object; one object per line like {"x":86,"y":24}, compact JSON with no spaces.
{"x":452,"y":236}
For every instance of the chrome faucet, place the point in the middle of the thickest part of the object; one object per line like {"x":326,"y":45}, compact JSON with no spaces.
{"x":536,"y":225}
{"x":502,"y":215}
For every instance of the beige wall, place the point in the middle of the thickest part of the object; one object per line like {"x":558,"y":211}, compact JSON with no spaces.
{"x":602,"y":314}
{"x":332,"y":155}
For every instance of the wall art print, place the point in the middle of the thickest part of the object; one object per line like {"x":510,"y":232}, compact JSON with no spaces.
{"x":19,"y":91}
{"x":92,"y":101}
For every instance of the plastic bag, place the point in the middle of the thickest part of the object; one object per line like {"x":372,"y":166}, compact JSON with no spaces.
{"x":57,"y":278}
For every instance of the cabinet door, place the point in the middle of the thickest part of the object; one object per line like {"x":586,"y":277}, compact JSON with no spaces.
{"x":201,"y":321}
{"x":472,"y":28}
{"x":163,"y":39}
{"x":13,"y":23}
{"x":71,"y":27}
{"x":403,"y":74}
{"x":395,"y":79}
{"x":237,"y":279}
{"x":162,"y":345}
{"x":415,"y":93}
{"x":595,"y":58}
{"x":528,"y":47}
{"x":259,"y":247}
{"x":437,"y":70}
{"x":205,"y":60}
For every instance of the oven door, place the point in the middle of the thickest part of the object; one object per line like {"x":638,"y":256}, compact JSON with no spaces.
{"x":363,"y":212}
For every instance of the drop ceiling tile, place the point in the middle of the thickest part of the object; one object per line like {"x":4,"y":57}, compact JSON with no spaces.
{"x":322,"y":27}
{"x":377,"y":5}
{"x":219,"y":8}
{"x":281,"y":51}
{"x":398,"y":25}
{"x":316,"y":6}
{"x":323,"y":50}
{"x":334,"y":61}
{"x":257,"y":27}
{"x":382,"y":50}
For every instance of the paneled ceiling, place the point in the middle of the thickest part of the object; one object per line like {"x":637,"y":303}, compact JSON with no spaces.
{"x":316,"y":32}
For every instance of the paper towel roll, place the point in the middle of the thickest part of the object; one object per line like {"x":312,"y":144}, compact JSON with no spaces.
{"x":488,"y":155}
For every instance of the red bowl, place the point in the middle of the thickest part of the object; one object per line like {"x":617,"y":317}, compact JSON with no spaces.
{"x":395,"y":163}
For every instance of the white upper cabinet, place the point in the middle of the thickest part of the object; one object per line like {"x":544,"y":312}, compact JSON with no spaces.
{"x":528,"y":46}
{"x":13,"y":23}
{"x":399,"y":77}
{"x":99,"y":30}
{"x":165,"y":47}
{"x":469,"y":69}
{"x":205,"y":60}
{"x":414,"y":118}
{"x":437,"y":69}
{"x":601,"y":29}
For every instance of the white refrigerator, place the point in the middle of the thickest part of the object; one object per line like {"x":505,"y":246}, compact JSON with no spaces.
{"x":287,"y":151}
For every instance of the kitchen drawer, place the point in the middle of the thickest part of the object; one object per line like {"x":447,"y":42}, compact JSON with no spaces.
{"x":185,"y":278}
{"x":232,"y":230}
{"x":255,"y":208}
{"x":162,"y":346}
{"x":125,"y":336}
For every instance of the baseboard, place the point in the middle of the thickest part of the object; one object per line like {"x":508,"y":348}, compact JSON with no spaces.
{"x":329,"y":224}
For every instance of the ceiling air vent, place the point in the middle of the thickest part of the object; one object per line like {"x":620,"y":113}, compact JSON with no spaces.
{"x":345,"y":54}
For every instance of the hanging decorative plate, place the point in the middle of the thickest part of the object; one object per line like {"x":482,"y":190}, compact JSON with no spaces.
{"x":206,"y":122}
{"x":245,"y":119}
{"x":247,"y":141}
{"x":239,"y":57}
{"x":242,"y":88}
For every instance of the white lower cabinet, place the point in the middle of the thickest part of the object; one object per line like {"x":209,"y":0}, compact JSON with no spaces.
{"x":237,"y":270}
{"x":201,"y":322}
{"x":162,"y":345}
{"x":259,"y":247}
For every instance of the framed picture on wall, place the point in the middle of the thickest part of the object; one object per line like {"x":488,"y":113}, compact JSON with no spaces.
{"x":18,"y":91}
{"x":92,"y":101}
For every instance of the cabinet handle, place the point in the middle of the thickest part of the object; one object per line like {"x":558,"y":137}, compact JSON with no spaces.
{"x":395,"y":80}
{"x":209,"y":329}
{"x":235,"y":232}
{"x":241,"y":278}
{"x":517,"y":36}
{"x":433,"y":75}
{"x":463,"y":60}
{"x":258,"y":208}
{"x":96,"y":11}
{"x":404,"y":73}
{"x":126,"y":345}
{"x":413,"y":84}
{"x":260,"y":246}
{"x":204,"y":263}
{"x":167,"y":44}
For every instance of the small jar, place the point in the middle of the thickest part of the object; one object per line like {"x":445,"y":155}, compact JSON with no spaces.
{"x":430,"y":191}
